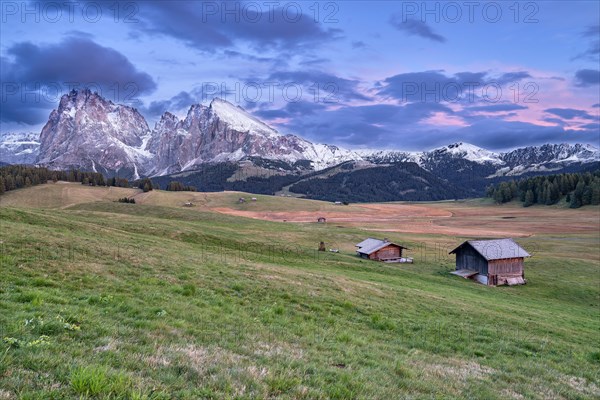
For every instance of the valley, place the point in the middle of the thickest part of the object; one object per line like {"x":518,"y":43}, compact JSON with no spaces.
{"x":344,"y":200}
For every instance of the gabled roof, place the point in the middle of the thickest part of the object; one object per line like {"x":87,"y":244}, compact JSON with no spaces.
{"x":370,"y":245}
{"x":496,"y":249}
{"x":368,"y":242}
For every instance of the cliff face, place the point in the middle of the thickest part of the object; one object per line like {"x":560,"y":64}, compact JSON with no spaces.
{"x":91,"y":133}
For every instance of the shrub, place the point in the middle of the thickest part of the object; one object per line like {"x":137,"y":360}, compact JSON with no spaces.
{"x":126,"y":200}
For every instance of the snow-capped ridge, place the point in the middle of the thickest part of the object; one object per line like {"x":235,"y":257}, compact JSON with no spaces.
{"x":470,"y":152}
{"x":19,"y":147}
{"x":89,"y":132}
{"x":544,"y":158}
{"x":239,"y":119}
{"x":224,"y":132}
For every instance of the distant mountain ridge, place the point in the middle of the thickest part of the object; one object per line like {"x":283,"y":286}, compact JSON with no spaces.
{"x":19,"y":148}
{"x":91,"y":133}
{"x":514,"y":162}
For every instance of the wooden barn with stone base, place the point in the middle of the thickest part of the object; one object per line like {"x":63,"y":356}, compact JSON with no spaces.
{"x":491,"y":262}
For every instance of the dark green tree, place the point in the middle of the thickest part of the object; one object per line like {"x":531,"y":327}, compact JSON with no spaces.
{"x":529,"y":199}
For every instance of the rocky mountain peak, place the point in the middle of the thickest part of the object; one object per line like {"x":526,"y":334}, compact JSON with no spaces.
{"x":239,"y":119}
{"x":89,"y":132}
{"x":83,"y":99}
{"x":466,"y":151}
{"x":167,"y":119}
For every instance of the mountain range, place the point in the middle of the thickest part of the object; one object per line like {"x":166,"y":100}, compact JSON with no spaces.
{"x":91,"y":133}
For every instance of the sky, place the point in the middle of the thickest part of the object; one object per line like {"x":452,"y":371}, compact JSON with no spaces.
{"x":373,"y":75}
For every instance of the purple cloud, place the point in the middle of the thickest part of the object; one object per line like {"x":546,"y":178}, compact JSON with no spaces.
{"x":415,"y":27}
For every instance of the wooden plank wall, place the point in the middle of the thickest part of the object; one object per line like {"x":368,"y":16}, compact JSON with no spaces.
{"x":510,"y":266}
{"x":387,"y":252}
{"x":469,"y":258}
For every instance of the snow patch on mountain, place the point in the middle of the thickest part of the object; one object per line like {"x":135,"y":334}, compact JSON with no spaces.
{"x":460,"y":150}
{"x":546,"y":158}
{"x":514,"y":162}
{"x":324,"y":155}
{"x":470,"y":152}
{"x":390,"y":156}
{"x":239,"y":119}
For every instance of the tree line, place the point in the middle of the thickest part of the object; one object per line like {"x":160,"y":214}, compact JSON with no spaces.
{"x":577,"y":189}
{"x":175,"y":186}
{"x":14,"y":177}
{"x":146,"y":184}
{"x":401,"y":181}
{"x":21,"y":176}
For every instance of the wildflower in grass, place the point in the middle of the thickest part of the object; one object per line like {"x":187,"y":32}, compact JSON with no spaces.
{"x":67,"y":325}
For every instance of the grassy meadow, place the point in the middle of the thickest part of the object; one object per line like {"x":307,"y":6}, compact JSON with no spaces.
{"x":103,"y":300}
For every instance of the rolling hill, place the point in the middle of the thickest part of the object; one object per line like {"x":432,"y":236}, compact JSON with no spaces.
{"x":155,"y":300}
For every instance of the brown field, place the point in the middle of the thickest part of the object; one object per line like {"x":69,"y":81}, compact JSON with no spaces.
{"x":467,"y":218}
{"x":463,"y":218}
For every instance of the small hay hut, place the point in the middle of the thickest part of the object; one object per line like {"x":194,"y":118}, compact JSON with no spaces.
{"x":491,"y":262}
{"x":381,"y":250}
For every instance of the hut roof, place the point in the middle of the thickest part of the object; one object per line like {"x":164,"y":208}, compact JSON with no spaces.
{"x":496,"y":249}
{"x":370,"y":245}
{"x":368,"y":242}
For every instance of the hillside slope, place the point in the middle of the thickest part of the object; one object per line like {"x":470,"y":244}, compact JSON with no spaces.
{"x":103,"y":299}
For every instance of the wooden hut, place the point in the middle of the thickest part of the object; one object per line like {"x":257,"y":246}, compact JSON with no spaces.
{"x":381,"y":250}
{"x":491,"y":262}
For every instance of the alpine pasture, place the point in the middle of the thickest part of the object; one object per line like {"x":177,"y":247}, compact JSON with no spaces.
{"x":222,"y":300}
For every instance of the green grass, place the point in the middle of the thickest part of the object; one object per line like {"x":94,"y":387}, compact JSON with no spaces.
{"x":63,"y":194}
{"x":115,"y":301}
